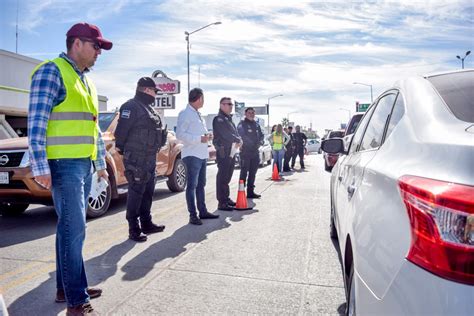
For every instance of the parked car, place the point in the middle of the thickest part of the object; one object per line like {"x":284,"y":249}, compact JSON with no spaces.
{"x":18,"y":189}
{"x":313,"y":146}
{"x":264,"y":152}
{"x":212,"y":152}
{"x":331,"y":159}
{"x":402,"y":200}
{"x":353,"y":123}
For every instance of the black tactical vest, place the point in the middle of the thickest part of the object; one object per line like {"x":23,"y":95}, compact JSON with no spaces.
{"x":147,"y":135}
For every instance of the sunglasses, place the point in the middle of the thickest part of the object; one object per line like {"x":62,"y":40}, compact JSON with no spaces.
{"x":95,"y":45}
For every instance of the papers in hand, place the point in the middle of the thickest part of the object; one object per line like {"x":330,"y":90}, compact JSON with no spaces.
{"x":98,"y":186}
{"x":234,"y":150}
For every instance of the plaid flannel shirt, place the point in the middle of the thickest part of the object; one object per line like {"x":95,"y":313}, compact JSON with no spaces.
{"x":47,"y":91}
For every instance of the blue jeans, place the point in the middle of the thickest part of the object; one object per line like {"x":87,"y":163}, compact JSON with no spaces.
{"x":278,"y":158}
{"x":71,"y":184}
{"x":196,"y":177}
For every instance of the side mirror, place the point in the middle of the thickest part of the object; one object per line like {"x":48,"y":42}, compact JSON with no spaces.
{"x":333,"y":146}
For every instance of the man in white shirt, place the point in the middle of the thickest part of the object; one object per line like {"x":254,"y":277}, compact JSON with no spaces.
{"x":192,"y":132}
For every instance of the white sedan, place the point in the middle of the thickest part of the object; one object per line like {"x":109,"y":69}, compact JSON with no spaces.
{"x":402,"y":200}
{"x":313,"y":146}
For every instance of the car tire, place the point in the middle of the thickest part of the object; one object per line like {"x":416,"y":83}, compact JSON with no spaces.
{"x":177,"y":179}
{"x":100,"y":205}
{"x":351,"y":303}
{"x":12,"y":209}
{"x":332,"y":226}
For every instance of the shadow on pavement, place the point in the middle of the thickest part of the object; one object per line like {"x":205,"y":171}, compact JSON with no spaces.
{"x":175,"y":244}
{"x":40,"y":222}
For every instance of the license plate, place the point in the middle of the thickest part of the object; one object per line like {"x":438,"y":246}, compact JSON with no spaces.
{"x":4,"y":178}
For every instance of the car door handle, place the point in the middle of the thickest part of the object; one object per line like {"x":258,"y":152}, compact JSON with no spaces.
{"x":350,"y":190}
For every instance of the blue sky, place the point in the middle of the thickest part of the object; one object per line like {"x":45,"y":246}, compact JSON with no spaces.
{"x":309,"y":51}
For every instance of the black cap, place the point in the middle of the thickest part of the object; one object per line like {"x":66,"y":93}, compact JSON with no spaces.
{"x":146,"y":82}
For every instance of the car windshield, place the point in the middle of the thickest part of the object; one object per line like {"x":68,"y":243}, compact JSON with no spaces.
{"x":105,"y":119}
{"x":457,"y":92}
{"x":334,"y":134}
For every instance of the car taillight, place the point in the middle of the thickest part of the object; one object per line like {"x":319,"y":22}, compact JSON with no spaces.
{"x":442,"y":226}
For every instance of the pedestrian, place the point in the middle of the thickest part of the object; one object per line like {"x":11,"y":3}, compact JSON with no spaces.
{"x":226,"y":140}
{"x":300,"y":140}
{"x":65,"y":147}
{"x":290,"y":148}
{"x":138,"y":137}
{"x":192,"y":132}
{"x":278,"y":139}
{"x":252,"y":138}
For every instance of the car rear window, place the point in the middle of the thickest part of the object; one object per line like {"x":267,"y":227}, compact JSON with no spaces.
{"x":353,"y":124}
{"x":105,"y":119}
{"x":339,"y":134}
{"x":457,"y":91}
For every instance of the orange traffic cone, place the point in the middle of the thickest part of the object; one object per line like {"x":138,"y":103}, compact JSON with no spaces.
{"x":241,"y":202}
{"x":275,"y":174}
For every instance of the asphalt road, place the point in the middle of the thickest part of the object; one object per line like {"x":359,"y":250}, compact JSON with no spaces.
{"x":275,"y":259}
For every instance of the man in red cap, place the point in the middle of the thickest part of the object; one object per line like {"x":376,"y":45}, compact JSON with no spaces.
{"x":66,"y":147}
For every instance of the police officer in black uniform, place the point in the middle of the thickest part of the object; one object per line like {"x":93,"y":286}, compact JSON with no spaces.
{"x":300,"y":143}
{"x":252,"y":137}
{"x":290,"y":148}
{"x":225,"y":135}
{"x":138,"y":137}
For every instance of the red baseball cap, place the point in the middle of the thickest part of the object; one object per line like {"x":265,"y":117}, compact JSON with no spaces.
{"x":86,"y":30}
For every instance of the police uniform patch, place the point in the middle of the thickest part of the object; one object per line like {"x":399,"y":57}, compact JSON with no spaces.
{"x":125,"y":114}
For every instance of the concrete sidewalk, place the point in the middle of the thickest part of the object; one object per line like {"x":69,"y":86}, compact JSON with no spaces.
{"x":275,"y":259}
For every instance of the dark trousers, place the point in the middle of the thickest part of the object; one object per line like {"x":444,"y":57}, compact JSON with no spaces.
{"x":225,"y":170}
{"x":249,"y":167}
{"x":298,"y":152}
{"x":140,"y":174}
{"x":196,"y":181}
{"x":287,"y":159}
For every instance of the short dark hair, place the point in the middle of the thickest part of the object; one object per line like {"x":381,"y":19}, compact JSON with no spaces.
{"x":69,"y":42}
{"x":290,"y":127}
{"x":195,"y":94}
{"x":224,"y":98}
{"x":249,"y":109}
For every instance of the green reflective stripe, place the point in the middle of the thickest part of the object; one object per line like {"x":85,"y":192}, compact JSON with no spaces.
{"x":69,"y":140}
{"x":71,"y":116}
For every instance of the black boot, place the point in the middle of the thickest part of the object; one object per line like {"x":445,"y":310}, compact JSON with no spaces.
{"x":134,"y":232}
{"x":150,"y":228}
{"x":253,"y":195}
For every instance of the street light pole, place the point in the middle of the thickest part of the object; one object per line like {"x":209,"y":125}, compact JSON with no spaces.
{"x":268,"y":109}
{"x":462,"y":59}
{"x":187,"y":41}
{"x":288,"y":115}
{"x":367,"y":85}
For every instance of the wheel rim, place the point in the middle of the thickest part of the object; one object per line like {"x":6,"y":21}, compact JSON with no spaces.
{"x":98,"y":203}
{"x":181,"y":175}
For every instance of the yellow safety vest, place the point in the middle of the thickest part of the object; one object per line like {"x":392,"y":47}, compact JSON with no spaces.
{"x":72,"y":127}
{"x":277,"y":141}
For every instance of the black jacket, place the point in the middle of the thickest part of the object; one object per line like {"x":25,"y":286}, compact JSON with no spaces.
{"x":225,"y":133}
{"x":139,"y":128}
{"x":251,"y":135}
{"x":299,"y":140}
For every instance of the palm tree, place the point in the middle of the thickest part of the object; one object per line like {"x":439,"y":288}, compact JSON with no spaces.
{"x":285,"y":122}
